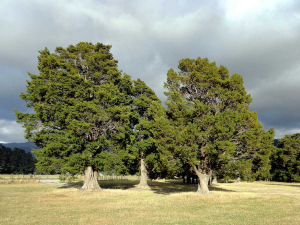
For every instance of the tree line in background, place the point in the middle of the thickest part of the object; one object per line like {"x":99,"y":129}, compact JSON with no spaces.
{"x":285,"y":159}
{"x":16,"y":161}
{"x":89,"y":117}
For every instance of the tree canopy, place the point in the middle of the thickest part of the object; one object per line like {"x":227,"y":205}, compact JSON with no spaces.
{"x":79,"y":108}
{"x":210,"y":111}
{"x":89,"y":117}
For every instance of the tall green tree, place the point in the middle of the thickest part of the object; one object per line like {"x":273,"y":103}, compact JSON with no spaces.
{"x":154,"y":135}
{"x":143,"y":146}
{"x":79,"y":108}
{"x":137,"y":145}
{"x":210,"y":111}
{"x":134,"y":147}
{"x":285,"y":159}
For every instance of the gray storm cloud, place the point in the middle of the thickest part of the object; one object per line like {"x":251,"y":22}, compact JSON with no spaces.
{"x":257,"y":39}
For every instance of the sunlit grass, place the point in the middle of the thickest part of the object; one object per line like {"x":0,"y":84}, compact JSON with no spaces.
{"x":165,"y":202}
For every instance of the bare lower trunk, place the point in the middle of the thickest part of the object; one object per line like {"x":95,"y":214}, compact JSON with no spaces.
{"x":215,"y":179}
{"x":203,"y":181}
{"x":90,"y":179}
{"x":238,"y":180}
{"x":210,"y":177}
{"x":144,"y":176}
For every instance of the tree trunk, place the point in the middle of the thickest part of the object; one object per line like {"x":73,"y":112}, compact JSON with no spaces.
{"x":144,"y":176}
{"x":215,"y":179}
{"x":238,"y":180}
{"x":210,"y":177}
{"x":203,"y":181}
{"x":90,"y":179}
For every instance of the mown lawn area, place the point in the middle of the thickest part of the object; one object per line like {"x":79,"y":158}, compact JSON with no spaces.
{"x":166,"y":202}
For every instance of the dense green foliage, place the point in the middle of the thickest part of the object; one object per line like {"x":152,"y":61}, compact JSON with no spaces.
{"x":79,"y":108}
{"x":86,"y":113}
{"x":16,"y":161}
{"x":215,"y":129}
{"x":285,"y":159}
{"x":134,"y":142}
{"x":160,"y":134}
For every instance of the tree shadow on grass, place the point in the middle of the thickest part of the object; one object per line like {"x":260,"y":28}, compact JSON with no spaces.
{"x":286,"y":184}
{"x":118,"y":184}
{"x":71,"y":185}
{"x":164,"y":187}
{"x":105,"y":184}
{"x":176,"y":186}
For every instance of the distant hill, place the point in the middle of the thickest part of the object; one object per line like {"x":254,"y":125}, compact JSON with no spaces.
{"x":27,"y":146}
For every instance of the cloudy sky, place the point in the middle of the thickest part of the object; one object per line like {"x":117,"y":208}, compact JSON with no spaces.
{"x":257,"y":39}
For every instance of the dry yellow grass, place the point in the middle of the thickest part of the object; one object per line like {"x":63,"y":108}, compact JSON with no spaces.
{"x":165,"y":203}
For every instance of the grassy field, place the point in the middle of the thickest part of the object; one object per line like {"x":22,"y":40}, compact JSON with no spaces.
{"x":165,"y":202}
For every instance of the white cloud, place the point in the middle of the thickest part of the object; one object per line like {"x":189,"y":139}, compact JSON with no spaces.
{"x":11,"y":131}
{"x":280,"y":133}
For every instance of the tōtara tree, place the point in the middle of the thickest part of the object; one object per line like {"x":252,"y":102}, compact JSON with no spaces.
{"x":79,"y":107}
{"x":134,"y":146}
{"x":142,"y":145}
{"x":285,"y":159}
{"x":159,"y":136}
{"x":210,"y":111}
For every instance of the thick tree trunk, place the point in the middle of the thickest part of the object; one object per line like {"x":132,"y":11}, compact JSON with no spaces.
{"x":144,"y":176}
{"x":238,"y":180}
{"x":203,"y":181}
{"x":90,"y":179}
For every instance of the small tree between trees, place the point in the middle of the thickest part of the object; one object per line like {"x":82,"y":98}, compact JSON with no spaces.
{"x":142,"y":145}
{"x":158,"y":135}
{"x":135,"y":147}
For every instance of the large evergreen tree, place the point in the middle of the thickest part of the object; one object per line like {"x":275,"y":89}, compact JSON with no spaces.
{"x":79,"y":108}
{"x":210,"y":111}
